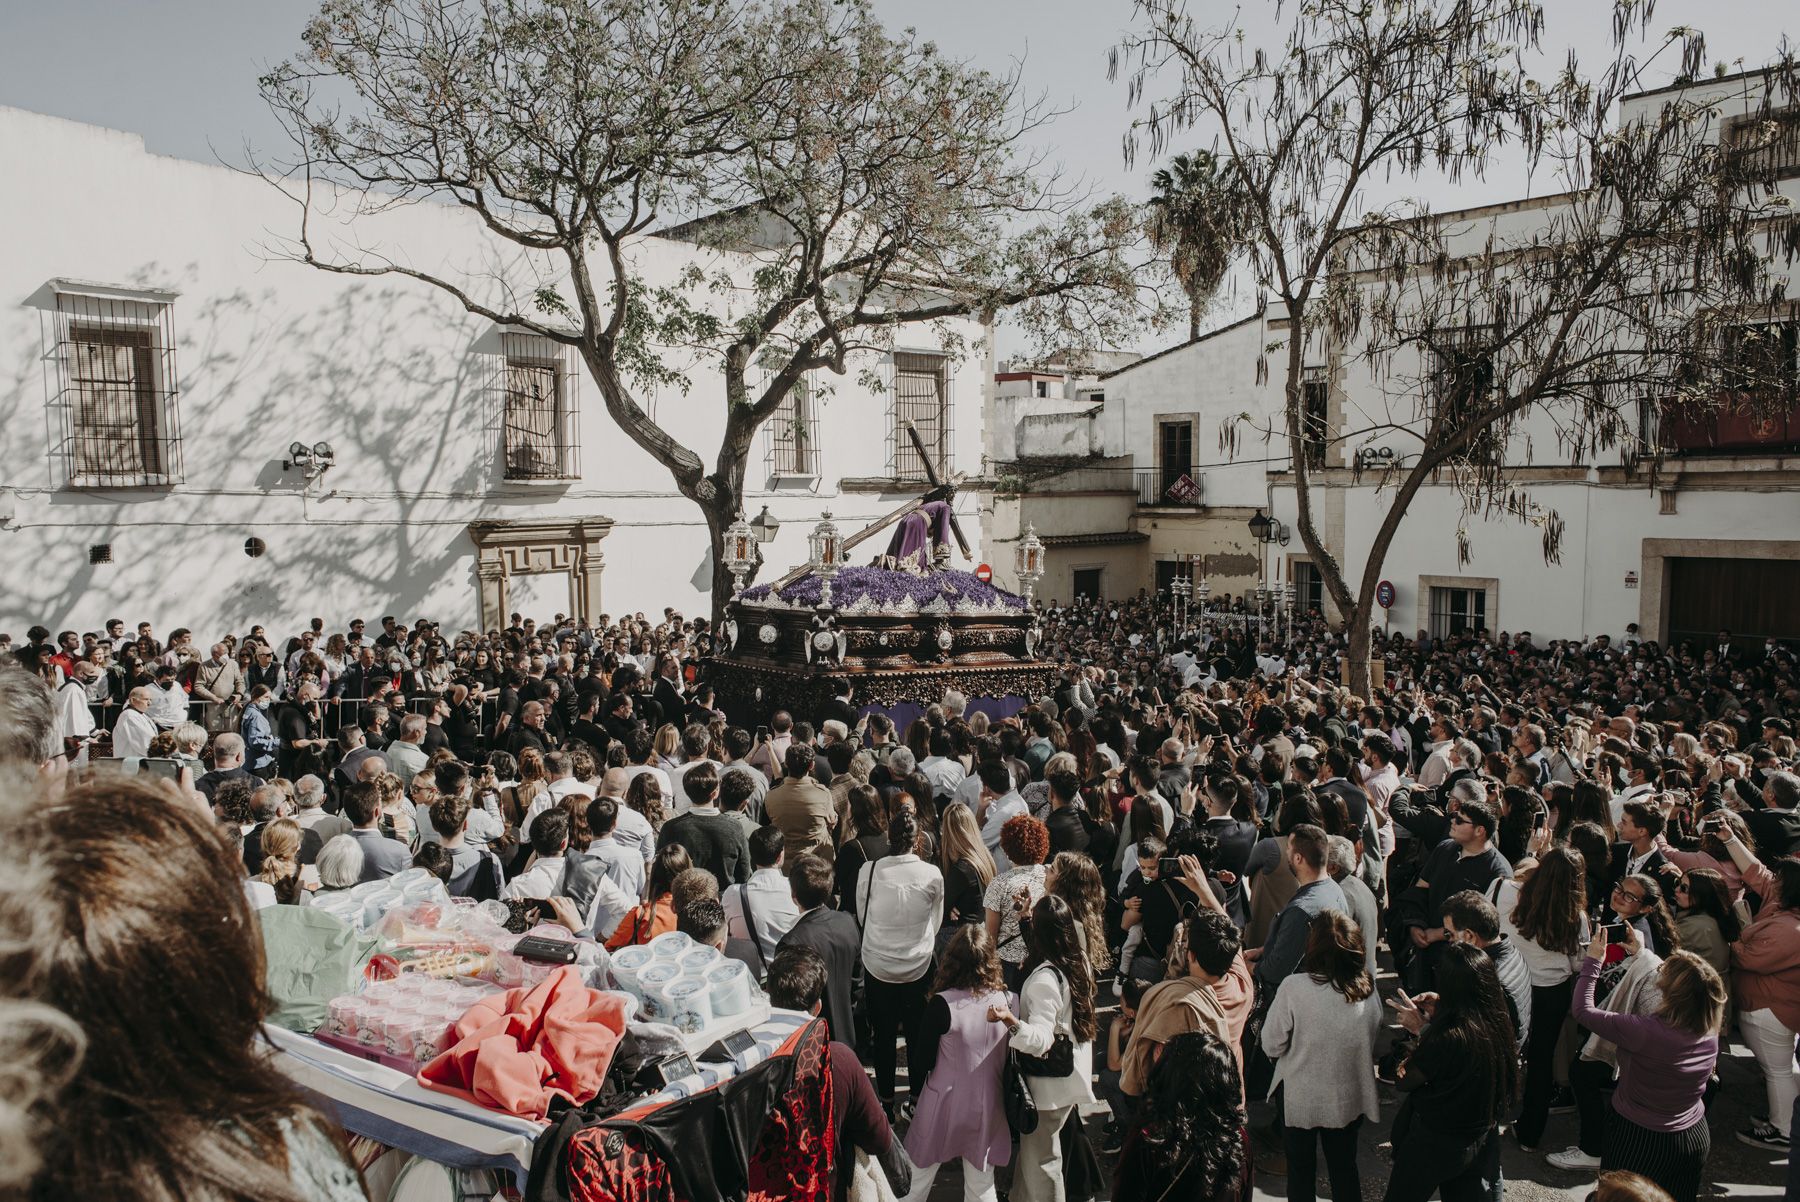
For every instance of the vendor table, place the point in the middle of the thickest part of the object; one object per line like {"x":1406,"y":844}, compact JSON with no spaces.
{"x":392,"y":1108}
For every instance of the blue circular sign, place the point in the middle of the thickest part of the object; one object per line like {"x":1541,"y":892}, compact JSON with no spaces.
{"x":1384,"y":594}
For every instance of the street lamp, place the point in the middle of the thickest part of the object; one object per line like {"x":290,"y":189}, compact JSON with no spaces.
{"x":740,"y":552}
{"x":765,"y":526}
{"x":1028,"y":562}
{"x":827,"y":555}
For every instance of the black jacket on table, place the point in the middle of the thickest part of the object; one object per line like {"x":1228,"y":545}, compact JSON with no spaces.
{"x":834,"y":935}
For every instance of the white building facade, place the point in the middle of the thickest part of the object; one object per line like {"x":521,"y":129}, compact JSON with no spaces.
{"x":163,"y":365}
{"x":1710,"y":540}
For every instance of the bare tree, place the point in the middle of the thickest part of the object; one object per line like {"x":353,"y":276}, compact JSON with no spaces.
{"x":1595,"y":316}
{"x":871,"y":183}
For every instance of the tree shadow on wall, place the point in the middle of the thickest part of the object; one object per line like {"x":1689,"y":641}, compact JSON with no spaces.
{"x":393,"y":379}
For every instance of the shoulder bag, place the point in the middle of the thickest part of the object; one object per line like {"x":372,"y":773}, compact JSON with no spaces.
{"x":1015,"y":1097}
{"x":1059,"y":1061}
{"x":750,"y":926}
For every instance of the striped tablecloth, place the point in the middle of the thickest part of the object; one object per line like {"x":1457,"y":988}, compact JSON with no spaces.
{"x":392,"y":1108}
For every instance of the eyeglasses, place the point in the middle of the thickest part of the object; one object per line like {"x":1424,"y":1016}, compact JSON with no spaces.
{"x":1622,"y":891}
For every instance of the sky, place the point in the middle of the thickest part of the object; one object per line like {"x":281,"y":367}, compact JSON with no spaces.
{"x":182,"y":73}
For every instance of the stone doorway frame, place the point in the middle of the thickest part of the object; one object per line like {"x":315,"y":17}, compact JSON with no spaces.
{"x":1653,"y":587}
{"x":507,"y":547}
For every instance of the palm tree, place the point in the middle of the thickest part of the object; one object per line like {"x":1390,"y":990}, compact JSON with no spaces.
{"x":1195,"y":216}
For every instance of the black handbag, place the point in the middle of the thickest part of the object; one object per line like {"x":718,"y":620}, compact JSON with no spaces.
{"x":1015,"y":1097}
{"x":1059,"y":1061}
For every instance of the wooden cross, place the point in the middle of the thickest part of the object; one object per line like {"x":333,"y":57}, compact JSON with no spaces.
{"x":941,"y":490}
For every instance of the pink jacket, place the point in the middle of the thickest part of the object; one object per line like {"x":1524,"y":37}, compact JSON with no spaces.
{"x":1687,"y":861}
{"x":517,"y":1050}
{"x":1766,"y":957}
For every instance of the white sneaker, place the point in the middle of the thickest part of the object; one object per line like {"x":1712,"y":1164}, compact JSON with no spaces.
{"x":1574,"y":1160}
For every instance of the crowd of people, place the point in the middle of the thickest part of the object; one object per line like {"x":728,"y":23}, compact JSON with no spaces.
{"x":1167,"y":889}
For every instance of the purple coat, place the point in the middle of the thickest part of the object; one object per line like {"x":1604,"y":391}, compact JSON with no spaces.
{"x":959,"y":1115}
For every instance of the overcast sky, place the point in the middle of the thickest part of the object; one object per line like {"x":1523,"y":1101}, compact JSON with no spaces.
{"x":183,"y":72}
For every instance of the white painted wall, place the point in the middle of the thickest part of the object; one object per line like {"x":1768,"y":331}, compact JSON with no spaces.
{"x":1215,"y":380}
{"x":390,"y":372}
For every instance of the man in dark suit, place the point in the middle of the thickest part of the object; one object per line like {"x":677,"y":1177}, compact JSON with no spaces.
{"x":839,"y":707}
{"x":1636,"y":852}
{"x":668,"y":688}
{"x":834,"y":936}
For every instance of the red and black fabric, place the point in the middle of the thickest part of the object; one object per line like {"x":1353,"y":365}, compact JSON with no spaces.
{"x":764,"y":1135}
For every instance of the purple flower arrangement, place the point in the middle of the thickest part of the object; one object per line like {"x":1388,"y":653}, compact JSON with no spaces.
{"x":886,"y":589}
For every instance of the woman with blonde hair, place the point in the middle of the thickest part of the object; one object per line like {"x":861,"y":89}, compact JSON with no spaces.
{"x":665,"y":749}
{"x":281,"y":859}
{"x":396,"y":812}
{"x":1076,"y":879}
{"x":533,"y":780}
{"x":967,"y":867}
{"x":1656,"y":1126}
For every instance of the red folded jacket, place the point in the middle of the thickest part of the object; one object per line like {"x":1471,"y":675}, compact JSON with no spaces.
{"x":517,"y":1050}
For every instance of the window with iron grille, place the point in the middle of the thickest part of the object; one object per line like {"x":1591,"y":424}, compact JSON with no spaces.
{"x":115,"y":356}
{"x":1314,"y":391}
{"x":794,"y":433}
{"x":1457,"y":611}
{"x":1764,"y":145}
{"x":1309,"y":587}
{"x":1461,"y":381}
{"x":921,"y":396}
{"x":540,"y":418}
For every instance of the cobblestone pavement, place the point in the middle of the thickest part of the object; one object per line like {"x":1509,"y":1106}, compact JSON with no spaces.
{"x":1735,"y":1170}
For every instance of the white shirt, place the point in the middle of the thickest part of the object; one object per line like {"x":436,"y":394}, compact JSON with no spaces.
{"x":662,"y":778}
{"x":634,"y":831}
{"x":612,"y":901}
{"x":944,"y":774}
{"x":168,"y":707}
{"x":132,"y":734}
{"x":76,"y":719}
{"x":552,"y":796}
{"x":771,"y":905}
{"x":539,"y":881}
{"x":260,"y":893}
{"x":680,"y":803}
{"x":999,"y":811}
{"x":900,"y":902}
{"x":1547,"y":968}
{"x":1436,"y":766}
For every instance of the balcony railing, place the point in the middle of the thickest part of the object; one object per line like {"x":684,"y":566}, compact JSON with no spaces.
{"x":1169,"y":487}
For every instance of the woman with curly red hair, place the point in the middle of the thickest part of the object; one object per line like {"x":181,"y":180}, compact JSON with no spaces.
{"x":1026,"y":843}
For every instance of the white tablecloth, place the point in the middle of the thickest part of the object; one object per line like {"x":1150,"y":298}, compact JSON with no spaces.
{"x":392,"y":1108}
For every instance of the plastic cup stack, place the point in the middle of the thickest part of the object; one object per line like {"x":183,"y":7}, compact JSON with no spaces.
{"x":671,"y":945}
{"x":652,"y":981}
{"x":690,"y":1005}
{"x":729,"y":988}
